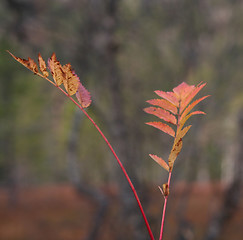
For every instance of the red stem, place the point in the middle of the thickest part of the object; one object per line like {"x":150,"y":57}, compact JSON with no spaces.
{"x":108,"y":143}
{"x":164,"y":209}
{"x":112,"y":150}
{"x":118,"y":160}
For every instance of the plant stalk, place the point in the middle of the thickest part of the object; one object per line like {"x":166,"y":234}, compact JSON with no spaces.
{"x":112,"y":150}
{"x":118,"y":160}
{"x":164,"y":209}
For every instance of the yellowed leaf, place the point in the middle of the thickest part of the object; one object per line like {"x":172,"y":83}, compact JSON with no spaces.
{"x":174,"y":152}
{"x":30,"y":63}
{"x":42,"y":65}
{"x":56,"y":70}
{"x":70,"y":80}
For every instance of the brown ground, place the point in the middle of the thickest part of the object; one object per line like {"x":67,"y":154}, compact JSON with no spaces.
{"x":59,"y":213}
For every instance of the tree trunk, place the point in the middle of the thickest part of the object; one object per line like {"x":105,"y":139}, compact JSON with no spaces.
{"x":118,"y":126}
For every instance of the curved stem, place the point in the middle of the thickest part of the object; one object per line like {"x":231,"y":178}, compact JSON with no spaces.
{"x":164,"y":209}
{"x":118,"y":160}
{"x":111,"y":148}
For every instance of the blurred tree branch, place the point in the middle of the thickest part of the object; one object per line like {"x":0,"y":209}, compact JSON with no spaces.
{"x":232,"y":195}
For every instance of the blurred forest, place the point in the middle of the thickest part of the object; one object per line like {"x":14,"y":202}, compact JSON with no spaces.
{"x":122,"y":51}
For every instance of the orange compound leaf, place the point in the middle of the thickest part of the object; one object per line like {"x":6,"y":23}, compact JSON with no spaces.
{"x":191,"y":106}
{"x":192,"y":94}
{"x":183,"y":90}
{"x":174,"y":152}
{"x":161,"y":113}
{"x":83,"y":96}
{"x":56,"y":69}
{"x":163,"y":127}
{"x":42,"y":66}
{"x":163,"y":104}
{"x":160,"y":161}
{"x":71,"y":80}
{"x":169,"y":96}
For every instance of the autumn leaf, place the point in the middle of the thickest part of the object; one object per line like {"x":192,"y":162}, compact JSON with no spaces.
{"x":169,"y":96}
{"x":163,"y":104}
{"x":191,"y":95}
{"x":191,"y":106}
{"x":161,"y":113}
{"x":83,"y":96}
{"x":183,"y":90}
{"x":183,"y":120}
{"x":160,"y":161}
{"x":163,"y":127}
{"x":56,"y":69}
{"x":183,"y":132}
{"x":70,"y":79}
{"x":30,"y":63}
{"x":176,"y":149}
{"x":42,"y":66}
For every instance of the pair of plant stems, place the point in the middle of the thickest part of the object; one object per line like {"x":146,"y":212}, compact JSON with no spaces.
{"x":121,"y":166}
{"x":172,"y":107}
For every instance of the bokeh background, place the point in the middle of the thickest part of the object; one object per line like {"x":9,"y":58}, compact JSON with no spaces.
{"x":58,"y":179}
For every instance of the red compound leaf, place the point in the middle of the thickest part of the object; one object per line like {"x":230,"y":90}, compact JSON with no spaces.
{"x":175,"y":108}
